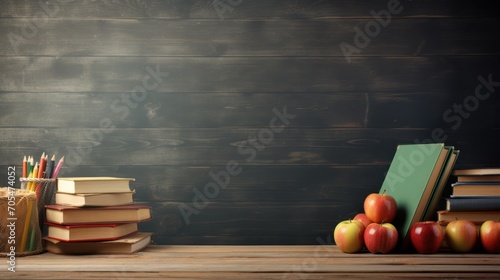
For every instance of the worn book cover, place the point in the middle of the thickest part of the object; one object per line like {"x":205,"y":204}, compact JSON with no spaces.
{"x":473,"y":203}
{"x":411,"y":179}
{"x":127,"y":245}
{"x":93,"y":184}
{"x":477,"y":217}
{"x":437,"y":195}
{"x":61,"y":214}
{"x":94,"y":199}
{"x":90,"y":232}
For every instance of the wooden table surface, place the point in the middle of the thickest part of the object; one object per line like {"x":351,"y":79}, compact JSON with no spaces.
{"x":254,"y":262}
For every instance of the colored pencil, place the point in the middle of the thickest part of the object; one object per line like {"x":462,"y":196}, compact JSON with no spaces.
{"x":25,"y":166}
{"x":58,"y":168}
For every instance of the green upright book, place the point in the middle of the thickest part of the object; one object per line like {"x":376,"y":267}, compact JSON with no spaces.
{"x":411,"y":179}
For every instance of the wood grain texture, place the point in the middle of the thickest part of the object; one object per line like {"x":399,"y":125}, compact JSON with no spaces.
{"x":200,"y":9}
{"x":242,"y":74}
{"x":219,"y":146}
{"x":256,"y":262}
{"x":266,"y":37}
{"x":223,"y":110}
{"x":170,"y":92}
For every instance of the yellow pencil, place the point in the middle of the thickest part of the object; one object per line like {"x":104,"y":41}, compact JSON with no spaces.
{"x":28,"y":183}
{"x":26,"y":224}
{"x":35,"y":172}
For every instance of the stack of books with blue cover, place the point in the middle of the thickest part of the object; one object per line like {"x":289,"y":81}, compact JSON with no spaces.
{"x":95,"y":215}
{"x":475,"y":196}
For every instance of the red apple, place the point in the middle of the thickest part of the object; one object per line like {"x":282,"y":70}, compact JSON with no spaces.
{"x":348,"y":236}
{"x":461,"y":235}
{"x":490,"y":236}
{"x":427,"y":237}
{"x":380,"y":238}
{"x":380,"y":208}
{"x":363,"y":219}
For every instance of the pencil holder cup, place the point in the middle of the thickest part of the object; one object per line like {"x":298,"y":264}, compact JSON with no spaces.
{"x":20,"y":233}
{"x":45,"y":190}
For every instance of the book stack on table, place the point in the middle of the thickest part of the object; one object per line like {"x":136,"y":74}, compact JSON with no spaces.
{"x":95,"y":215}
{"x":475,"y":196}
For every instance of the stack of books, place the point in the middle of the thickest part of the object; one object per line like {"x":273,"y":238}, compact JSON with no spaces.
{"x":95,"y":215}
{"x":416,"y":178}
{"x":475,"y":196}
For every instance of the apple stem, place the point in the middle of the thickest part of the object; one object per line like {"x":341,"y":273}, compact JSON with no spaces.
{"x":383,"y":192}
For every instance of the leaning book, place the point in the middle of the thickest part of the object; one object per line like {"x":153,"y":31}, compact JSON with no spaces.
{"x":126,"y":245}
{"x":411,"y":179}
{"x":67,"y":215}
{"x":93,"y":184}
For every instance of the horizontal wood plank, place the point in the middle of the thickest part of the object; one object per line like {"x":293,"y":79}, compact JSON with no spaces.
{"x":200,"y":147}
{"x":225,"y":10}
{"x":95,"y":37}
{"x":247,"y":75}
{"x":273,"y":262}
{"x":217,"y":110}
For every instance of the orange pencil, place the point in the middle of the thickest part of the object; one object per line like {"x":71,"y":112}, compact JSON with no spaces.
{"x":25,"y":167}
{"x":41,"y":167}
{"x":41,"y":170}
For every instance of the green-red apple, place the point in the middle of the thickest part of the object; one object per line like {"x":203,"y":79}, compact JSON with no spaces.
{"x":348,"y":236}
{"x":461,"y":235}
{"x":490,"y":236}
{"x":362,"y":218}
{"x":380,"y":208}
{"x":381,"y":238}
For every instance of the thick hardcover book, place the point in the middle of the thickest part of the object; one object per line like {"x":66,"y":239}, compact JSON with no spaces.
{"x":126,"y":245}
{"x":477,"y":217}
{"x":67,"y":215}
{"x":478,"y":178}
{"x":90,"y":232}
{"x":411,"y":180}
{"x":93,"y":184}
{"x":476,"y":189}
{"x":430,"y":212}
{"x":476,"y":171}
{"x":94,"y":199}
{"x":473,"y":203}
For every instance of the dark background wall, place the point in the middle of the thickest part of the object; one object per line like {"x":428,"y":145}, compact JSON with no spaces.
{"x":294,"y":107}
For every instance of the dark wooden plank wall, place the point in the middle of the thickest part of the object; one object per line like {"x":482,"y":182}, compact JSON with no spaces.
{"x":71,"y":74}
